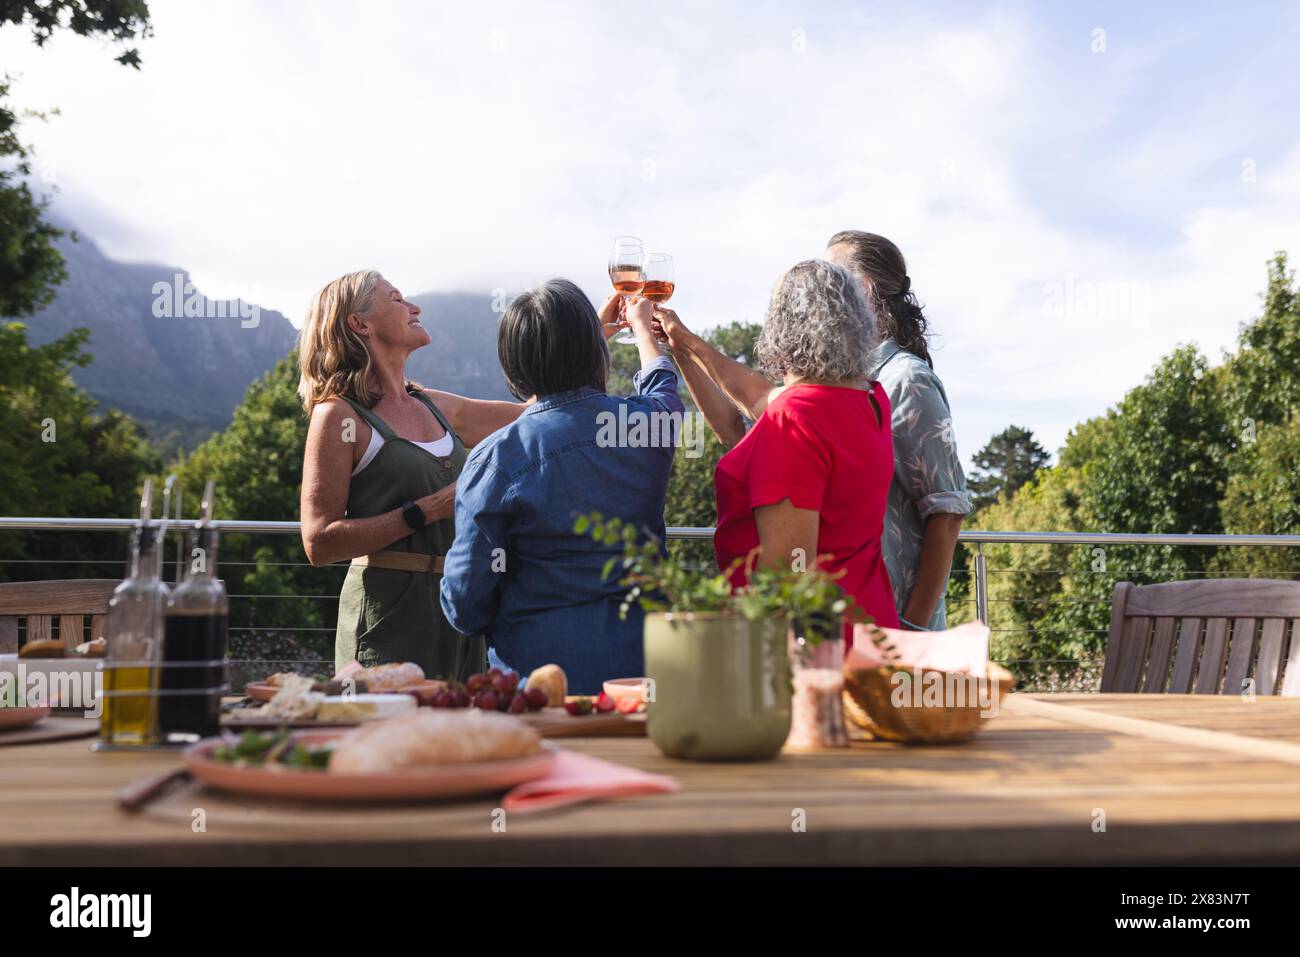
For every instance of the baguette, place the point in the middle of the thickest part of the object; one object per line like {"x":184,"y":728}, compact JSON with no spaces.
{"x":431,"y":738}
{"x":46,"y":648}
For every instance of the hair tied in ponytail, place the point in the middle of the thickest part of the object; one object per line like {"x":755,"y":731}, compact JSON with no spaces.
{"x":905,"y":285}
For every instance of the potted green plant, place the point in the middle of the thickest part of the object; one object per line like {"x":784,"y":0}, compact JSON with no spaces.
{"x":717,"y":661}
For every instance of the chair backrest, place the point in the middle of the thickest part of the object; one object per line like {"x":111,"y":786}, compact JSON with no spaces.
{"x":1205,"y":637}
{"x":41,"y":602}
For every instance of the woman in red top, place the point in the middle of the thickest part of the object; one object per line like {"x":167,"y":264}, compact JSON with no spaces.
{"x":811,"y":477}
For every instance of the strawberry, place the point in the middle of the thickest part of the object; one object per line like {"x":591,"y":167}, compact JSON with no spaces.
{"x":604,"y":704}
{"x":578,"y":706}
{"x":629,"y":705}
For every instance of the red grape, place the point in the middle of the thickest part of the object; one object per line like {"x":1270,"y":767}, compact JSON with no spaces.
{"x":518,"y":704}
{"x":487,"y":700}
{"x":475,"y":683}
{"x":536,"y":698}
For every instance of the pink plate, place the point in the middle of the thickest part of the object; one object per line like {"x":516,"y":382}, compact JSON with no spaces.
{"x":20,"y":717}
{"x":448,"y":781}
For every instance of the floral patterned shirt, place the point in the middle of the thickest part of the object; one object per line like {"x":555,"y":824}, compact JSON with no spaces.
{"x":928,"y":477}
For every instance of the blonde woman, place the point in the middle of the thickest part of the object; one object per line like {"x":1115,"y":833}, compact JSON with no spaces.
{"x":379,"y":475}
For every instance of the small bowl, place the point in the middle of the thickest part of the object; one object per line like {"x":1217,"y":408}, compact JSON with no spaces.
{"x":629,"y":689}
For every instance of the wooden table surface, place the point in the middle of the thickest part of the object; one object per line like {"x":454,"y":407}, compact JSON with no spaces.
{"x":1178,"y":779}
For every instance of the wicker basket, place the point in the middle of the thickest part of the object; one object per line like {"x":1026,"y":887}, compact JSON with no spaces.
{"x":869,"y":704}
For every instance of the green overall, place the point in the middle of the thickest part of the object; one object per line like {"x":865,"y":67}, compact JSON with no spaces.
{"x":389,"y":615}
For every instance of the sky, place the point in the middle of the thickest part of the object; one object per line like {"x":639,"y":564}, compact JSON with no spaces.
{"x":1077,"y":188}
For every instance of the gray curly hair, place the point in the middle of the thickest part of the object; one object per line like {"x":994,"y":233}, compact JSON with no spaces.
{"x":819,"y":326}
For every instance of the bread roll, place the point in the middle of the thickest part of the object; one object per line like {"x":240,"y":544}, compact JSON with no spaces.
{"x":391,"y":677}
{"x":47,"y":648}
{"x":432,"y":738}
{"x":552,"y":680}
{"x":92,"y":649}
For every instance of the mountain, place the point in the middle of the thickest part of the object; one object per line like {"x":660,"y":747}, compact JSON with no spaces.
{"x":462,"y":354}
{"x":182,"y":376}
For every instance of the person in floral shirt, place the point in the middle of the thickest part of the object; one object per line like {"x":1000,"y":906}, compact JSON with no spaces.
{"x":928,"y":495}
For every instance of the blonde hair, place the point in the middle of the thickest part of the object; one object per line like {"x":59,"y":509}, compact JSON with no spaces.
{"x":332,"y":358}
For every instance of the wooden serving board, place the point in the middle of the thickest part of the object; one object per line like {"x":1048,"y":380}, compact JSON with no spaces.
{"x":558,"y":723}
{"x":550,"y":722}
{"x":52,"y":728}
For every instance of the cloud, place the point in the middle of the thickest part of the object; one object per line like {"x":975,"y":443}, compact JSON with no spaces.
{"x":1068,"y":217}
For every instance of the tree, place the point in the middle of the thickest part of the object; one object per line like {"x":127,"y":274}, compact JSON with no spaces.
{"x":1264,"y":375}
{"x":1009,"y":460}
{"x":61,"y":458}
{"x":30,"y":266}
{"x":257,"y":466}
{"x":690,"y":499}
{"x":1262,"y":499}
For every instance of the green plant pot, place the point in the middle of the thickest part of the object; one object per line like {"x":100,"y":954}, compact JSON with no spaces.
{"x":721,"y":686}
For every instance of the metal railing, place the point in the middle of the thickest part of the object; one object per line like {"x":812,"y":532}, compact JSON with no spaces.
{"x":976,"y":540}
{"x":702,"y":532}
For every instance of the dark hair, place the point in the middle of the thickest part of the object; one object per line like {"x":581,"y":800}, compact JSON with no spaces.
{"x":897,"y":310}
{"x":549,"y":341}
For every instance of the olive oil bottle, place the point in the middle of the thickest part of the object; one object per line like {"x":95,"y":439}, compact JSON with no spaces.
{"x":133,"y":632}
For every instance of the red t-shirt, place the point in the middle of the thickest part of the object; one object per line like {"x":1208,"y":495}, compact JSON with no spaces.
{"x":823,"y":448}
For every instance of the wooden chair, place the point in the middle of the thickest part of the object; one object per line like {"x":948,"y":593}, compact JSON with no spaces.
{"x":41,"y":602}
{"x":1217,"y":633}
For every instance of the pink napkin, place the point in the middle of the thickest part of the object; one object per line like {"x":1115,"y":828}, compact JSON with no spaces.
{"x":961,"y":650}
{"x":575,"y":777}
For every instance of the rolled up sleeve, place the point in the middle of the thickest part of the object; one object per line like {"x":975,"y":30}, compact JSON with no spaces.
{"x":925,"y":449}
{"x":657,"y":381}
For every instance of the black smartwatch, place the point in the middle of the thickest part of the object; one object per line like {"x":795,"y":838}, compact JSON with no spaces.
{"x":414,"y":515}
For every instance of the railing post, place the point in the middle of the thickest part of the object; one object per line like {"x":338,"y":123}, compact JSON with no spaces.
{"x":981,"y":585}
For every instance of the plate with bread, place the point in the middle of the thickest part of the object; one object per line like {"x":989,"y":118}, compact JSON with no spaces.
{"x":423,"y":755}
{"x":56,"y":661}
{"x":14,"y":718}
{"x":406,"y":677}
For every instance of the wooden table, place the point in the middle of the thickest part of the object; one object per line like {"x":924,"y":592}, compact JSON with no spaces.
{"x":1179,"y":779}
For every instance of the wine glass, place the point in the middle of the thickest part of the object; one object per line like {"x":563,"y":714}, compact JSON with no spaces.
{"x":626,"y":260}
{"x":659,"y":277}
{"x":660,"y":281}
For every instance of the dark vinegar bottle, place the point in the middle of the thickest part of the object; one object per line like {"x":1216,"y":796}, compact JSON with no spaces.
{"x":193,"y":675}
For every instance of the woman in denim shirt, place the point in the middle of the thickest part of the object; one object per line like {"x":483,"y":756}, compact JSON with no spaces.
{"x":517,"y":572}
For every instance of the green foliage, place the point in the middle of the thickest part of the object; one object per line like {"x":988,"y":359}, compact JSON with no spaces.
{"x":1009,"y":460}
{"x":1192,"y":449}
{"x":257,"y":465}
{"x":690,"y":500}
{"x":30,"y":266}
{"x":1264,"y":375}
{"x":661,"y":583}
{"x":61,"y":458}
{"x":654,"y":581}
{"x":119,"y":20}
{"x":1262,"y":499}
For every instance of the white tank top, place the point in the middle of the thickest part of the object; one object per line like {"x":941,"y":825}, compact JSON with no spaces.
{"x":438,"y":447}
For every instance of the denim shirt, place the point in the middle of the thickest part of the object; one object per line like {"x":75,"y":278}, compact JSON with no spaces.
{"x":928,"y":476}
{"x":517,"y":572}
